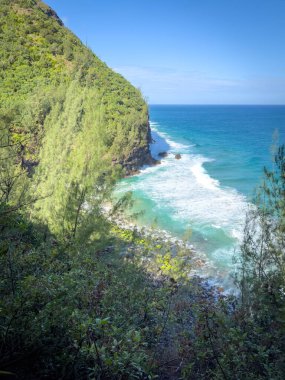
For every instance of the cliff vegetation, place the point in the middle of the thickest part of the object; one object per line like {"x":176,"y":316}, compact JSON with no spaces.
{"x":82,"y":298}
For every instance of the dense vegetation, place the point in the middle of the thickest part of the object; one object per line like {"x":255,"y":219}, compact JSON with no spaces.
{"x":63,"y":112}
{"x":82,"y":298}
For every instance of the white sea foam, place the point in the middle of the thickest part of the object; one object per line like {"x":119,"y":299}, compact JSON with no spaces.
{"x":163,"y":143}
{"x":193,"y":195}
{"x":185,"y":190}
{"x":152,"y":123}
{"x":202,"y":176}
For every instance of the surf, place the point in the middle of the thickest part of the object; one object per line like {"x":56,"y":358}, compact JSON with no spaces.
{"x":180,"y":197}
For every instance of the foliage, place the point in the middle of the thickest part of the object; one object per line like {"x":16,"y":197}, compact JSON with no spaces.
{"x":68,"y":116}
{"x":65,"y":117}
{"x":244,"y":337}
{"x":82,"y":298}
{"x":38,"y":55}
{"x":263,"y":258}
{"x":75,"y":311}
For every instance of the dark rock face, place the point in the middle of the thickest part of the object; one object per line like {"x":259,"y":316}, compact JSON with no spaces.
{"x":163,"y":154}
{"x":49,"y":12}
{"x":178,"y":156}
{"x":139,"y":156}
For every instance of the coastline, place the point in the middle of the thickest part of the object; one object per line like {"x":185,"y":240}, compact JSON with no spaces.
{"x":172,"y":154}
{"x":196,"y":266}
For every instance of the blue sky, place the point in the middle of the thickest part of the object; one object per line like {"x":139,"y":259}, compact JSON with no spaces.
{"x":188,"y":51}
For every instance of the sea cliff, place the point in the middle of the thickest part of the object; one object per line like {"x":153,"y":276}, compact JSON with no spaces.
{"x":39,"y":55}
{"x":72,"y":122}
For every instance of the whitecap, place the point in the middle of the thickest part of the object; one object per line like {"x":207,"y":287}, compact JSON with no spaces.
{"x":201,"y":175}
{"x":189,"y":191}
{"x":186,"y":192}
{"x":162,"y":142}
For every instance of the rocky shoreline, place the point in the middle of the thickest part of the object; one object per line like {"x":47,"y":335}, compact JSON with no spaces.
{"x":197,"y":262}
{"x":139,"y":156}
{"x":200,"y":266}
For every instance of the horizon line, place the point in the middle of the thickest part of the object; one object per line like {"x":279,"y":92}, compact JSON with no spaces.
{"x":216,"y":104}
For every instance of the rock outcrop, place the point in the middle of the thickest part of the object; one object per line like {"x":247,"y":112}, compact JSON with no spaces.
{"x":138,"y":157}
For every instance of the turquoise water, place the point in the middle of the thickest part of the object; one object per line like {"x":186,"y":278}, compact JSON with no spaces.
{"x":203,"y":197}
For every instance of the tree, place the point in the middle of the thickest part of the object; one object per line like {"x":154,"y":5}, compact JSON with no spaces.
{"x":14,"y":181}
{"x":263,"y":250}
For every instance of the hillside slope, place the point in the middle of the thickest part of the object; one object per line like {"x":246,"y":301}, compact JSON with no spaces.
{"x":70,"y":126}
{"x":37,"y":54}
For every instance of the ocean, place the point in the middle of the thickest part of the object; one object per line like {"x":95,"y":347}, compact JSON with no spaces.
{"x":203,"y":197}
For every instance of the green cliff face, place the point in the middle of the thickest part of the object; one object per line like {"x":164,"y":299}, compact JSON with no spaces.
{"x":67,"y":120}
{"x":38,"y":55}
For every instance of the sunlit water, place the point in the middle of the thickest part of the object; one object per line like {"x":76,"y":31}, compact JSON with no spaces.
{"x":203,"y":197}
